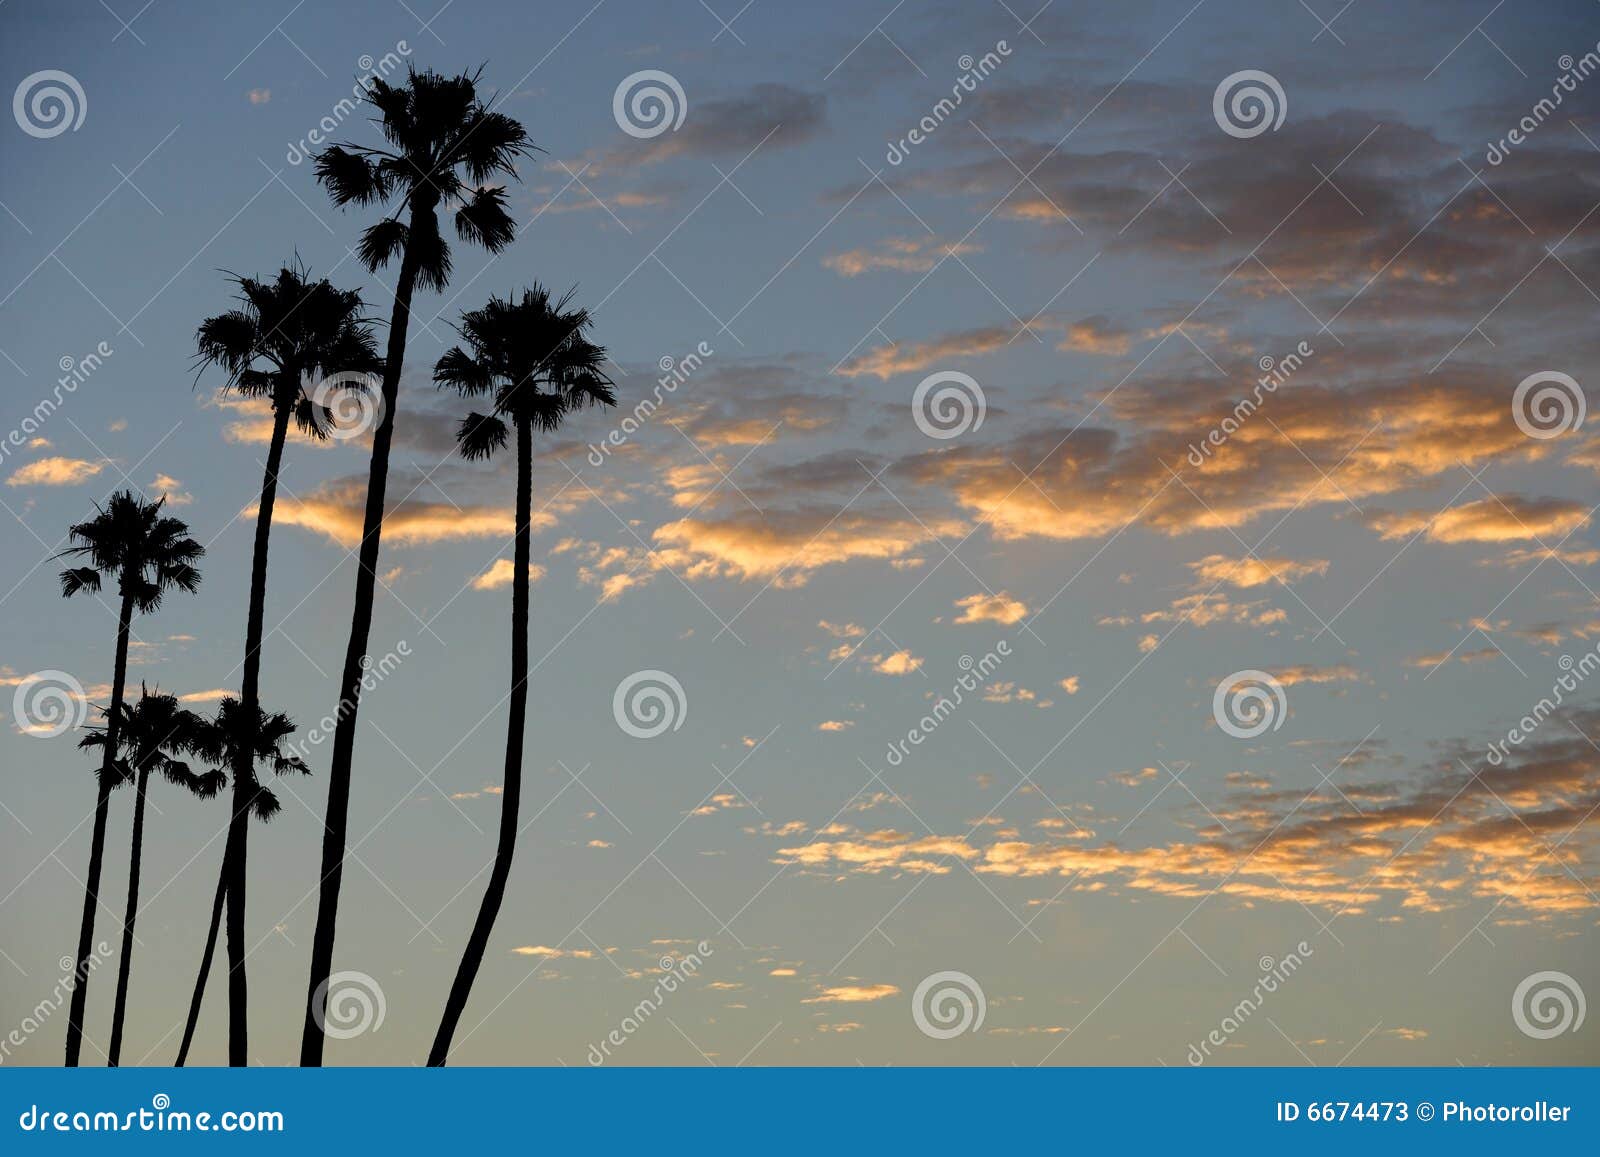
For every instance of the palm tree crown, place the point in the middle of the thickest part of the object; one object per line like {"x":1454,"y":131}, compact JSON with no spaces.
{"x":218,"y":740}
{"x":533,"y":358}
{"x":151,"y":734}
{"x":286,"y":332}
{"x":131,"y":542}
{"x":445,"y":144}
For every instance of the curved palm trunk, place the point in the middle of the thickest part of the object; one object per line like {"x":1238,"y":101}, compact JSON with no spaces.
{"x":336,"y":821}
{"x":205,"y":965}
{"x":97,"y":843}
{"x":125,"y":964}
{"x":510,"y":801}
{"x":235,"y":859}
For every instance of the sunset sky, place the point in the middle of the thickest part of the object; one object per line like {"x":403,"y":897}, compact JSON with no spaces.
{"x":1389,"y":532}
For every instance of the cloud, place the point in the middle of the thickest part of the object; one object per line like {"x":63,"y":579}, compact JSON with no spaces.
{"x":1070,"y":684}
{"x":897,"y":663}
{"x":1095,"y":335}
{"x":1255,"y":572}
{"x":213,"y":696}
{"x":853,"y":994}
{"x":259,"y":95}
{"x":56,"y":471}
{"x":502,"y":572}
{"x":171,"y":489}
{"x":337,"y":509}
{"x":887,"y":361}
{"x":997,"y":608}
{"x":835,"y":725}
{"x":1337,"y":673}
{"x":900,"y":254}
{"x":1506,"y":518}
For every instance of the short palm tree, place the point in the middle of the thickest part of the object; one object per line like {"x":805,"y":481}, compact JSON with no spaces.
{"x":151,"y":734}
{"x":286,"y":333}
{"x":131,"y":544}
{"x":219,"y":741}
{"x":532,"y":359}
{"x":444,"y":147}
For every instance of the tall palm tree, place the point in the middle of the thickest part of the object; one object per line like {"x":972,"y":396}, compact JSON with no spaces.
{"x":145,"y":553}
{"x":533,"y":360}
{"x":151,"y":733}
{"x":285,"y":333}
{"x":444,"y":146}
{"x":219,"y":741}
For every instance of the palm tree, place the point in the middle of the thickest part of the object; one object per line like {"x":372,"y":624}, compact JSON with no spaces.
{"x":219,"y":741}
{"x":286,"y":333}
{"x":131,"y":543}
{"x":151,"y":734}
{"x":444,"y":145}
{"x":533,"y":359}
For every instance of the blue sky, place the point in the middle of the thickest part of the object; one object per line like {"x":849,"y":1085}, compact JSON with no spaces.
{"x":1107,"y":264}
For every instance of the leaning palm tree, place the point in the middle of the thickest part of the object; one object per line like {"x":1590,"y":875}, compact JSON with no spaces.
{"x":151,"y":733}
{"x":145,"y":553}
{"x":229,"y":742}
{"x":286,"y":333}
{"x":444,"y":146}
{"x":533,"y":360}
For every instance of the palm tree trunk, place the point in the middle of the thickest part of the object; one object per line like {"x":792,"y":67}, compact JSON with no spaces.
{"x":511,"y":800}
{"x":336,"y":821}
{"x":97,"y":843}
{"x":125,"y":964}
{"x":205,"y":965}
{"x":244,"y":775}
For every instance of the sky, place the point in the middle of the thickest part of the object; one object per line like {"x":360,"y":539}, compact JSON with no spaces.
{"x":1104,"y":568}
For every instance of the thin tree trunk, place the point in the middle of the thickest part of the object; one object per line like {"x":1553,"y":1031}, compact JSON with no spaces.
{"x":97,"y":843}
{"x":125,"y":964}
{"x":244,"y":775}
{"x":205,"y":964}
{"x":336,"y":821}
{"x":511,"y":800}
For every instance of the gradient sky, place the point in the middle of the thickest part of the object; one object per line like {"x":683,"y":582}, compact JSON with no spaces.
{"x":1083,"y":239}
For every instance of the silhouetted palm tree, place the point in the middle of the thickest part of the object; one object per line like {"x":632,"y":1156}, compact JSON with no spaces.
{"x":444,"y":146}
{"x":132,"y":544}
{"x":150,"y":734}
{"x":533,"y":359}
{"x":286,"y":333}
{"x":219,"y":741}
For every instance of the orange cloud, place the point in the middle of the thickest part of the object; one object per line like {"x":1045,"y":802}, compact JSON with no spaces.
{"x":55,"y":471}
{"x":997,"y":608}
{"x":502,"y":572}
